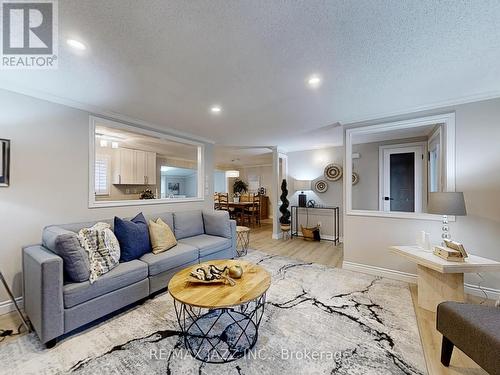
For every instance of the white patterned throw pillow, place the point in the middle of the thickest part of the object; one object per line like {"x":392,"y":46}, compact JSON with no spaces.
{"x":102,"y":247}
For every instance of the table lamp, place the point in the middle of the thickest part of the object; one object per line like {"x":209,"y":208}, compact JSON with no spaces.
{"x":446,"y":203}
{"x":302,"y":185}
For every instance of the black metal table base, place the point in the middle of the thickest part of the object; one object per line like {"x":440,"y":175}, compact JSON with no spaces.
{"x":336,"y":221}
{"x":220,"y":335}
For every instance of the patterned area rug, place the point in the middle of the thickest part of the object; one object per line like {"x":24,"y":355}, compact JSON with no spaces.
{"x":318,"y":320}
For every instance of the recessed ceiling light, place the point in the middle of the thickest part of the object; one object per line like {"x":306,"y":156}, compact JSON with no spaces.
{"x":314,"y":81}
{"x":215,"y":109}
{"x":76,"y":44}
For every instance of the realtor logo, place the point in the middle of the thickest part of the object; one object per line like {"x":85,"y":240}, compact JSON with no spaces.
{"x":29,"y":34}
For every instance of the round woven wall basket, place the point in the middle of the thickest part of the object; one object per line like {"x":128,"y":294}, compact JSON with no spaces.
{"x":355,"y":178}
{"x":333,"y":172}
{"x":321,"y":186}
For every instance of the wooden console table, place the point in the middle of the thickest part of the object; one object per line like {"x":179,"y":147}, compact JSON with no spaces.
{"x":439,"y":280}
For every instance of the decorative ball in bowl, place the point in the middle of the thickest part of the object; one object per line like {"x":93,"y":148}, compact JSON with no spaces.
{"x":235,"y":271}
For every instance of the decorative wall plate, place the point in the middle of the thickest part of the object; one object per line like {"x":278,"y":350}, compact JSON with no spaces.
{"x":321,"y":186}
{"x":333,"y":172}
{"x":355,"y":178}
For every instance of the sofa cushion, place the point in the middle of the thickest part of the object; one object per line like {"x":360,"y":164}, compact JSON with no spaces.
{"x":119,"y":277}
{"x":67,"y":245}
{"x":102,"y":248}
{"x":188,"y":224}
{"x":166,"y":217}
{"x":207,"y":244}
{"x":217,"y":223}
{"x":161,"y":236}
{"x":174,"y":257}
{"x":133,"y":236}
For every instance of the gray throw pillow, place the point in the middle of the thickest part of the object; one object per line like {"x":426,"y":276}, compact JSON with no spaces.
{"x":217,"y":223}
{"x":67,"y":245}
{"x":188,"y":224}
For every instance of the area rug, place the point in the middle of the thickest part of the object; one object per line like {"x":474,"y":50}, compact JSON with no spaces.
{"x":318,"y":320}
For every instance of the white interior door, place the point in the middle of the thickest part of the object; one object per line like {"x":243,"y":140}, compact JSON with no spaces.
{"x":401,"y":172}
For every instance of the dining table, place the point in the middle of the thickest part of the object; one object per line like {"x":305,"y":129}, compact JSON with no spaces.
{"x":239,"y":204}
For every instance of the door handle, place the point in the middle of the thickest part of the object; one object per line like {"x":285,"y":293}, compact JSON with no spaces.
{"x":388,"y":199}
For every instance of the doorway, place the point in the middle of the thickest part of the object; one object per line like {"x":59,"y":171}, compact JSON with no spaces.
{"x":400,"y":177}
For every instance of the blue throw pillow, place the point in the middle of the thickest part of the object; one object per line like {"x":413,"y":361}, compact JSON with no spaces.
{"x":133,"y":236}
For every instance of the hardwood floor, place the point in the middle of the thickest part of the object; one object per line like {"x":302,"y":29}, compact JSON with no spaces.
{"x":328,"y":254}
{"x":324,"y":252}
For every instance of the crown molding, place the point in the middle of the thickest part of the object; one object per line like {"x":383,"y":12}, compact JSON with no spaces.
{"x":428,"y":107}
{"x":100,"y":112}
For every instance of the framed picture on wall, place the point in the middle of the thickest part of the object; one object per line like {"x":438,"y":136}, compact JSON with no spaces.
{"x":4,"y":162}
{"x":173,"y":188}
{"x":253,"y":183}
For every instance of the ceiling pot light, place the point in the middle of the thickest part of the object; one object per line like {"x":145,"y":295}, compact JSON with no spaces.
{"x":314,"y":81}
{"x":76,"y":44}
{"x":215,"y":109}
{"x":114,"y":144}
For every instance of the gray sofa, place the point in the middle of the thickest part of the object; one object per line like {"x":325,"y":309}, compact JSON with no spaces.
{"x":57,"y":306}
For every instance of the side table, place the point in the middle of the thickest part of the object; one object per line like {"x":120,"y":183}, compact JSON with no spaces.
{"x":243,"y":240}
{"x":441,"y":280}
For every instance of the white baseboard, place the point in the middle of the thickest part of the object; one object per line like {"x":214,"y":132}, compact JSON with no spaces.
{"x":480,"y":291}
{"x":379,"y":271}
{"x":277,"y":236}
{"x":411,"y":278}
{"x":7,"y":306}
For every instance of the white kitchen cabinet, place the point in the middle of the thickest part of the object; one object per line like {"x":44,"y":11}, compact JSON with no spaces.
{"x":140,"y":167}
{"x":151,"y":168}
{"x":134,"y":167}
{"x":123,"y":167}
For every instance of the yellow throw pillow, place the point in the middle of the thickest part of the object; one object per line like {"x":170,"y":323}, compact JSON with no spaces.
{"x":162,"y":237}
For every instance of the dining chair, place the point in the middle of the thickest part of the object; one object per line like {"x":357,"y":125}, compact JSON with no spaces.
{"x":216,"y":201}
{"x":224,"y":205}
{"x":256,"y":208}
{"x":251,"y":213}
{"x":245,"y":197}
{"x":223,"y":201}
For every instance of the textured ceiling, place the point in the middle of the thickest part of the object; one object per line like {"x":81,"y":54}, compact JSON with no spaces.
{"x":167,"y":62}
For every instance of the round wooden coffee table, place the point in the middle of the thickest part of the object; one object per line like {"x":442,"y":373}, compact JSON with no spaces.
{"x":220,"y":322}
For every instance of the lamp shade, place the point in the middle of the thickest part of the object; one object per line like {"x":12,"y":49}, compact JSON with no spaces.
{"x":447,"y":204}
{"x":301,"y":185}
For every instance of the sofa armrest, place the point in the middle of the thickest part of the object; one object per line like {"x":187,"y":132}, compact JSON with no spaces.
{"x":233,"y":237}
{"x":43,"y":291}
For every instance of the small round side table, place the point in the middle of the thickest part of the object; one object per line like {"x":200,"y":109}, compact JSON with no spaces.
{"x":243,"y":239}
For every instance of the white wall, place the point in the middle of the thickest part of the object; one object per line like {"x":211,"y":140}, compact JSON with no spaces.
{"x":220,"y":182}
{"x":366,"y":239}
{"x":49,"y":177}
{"x":310,"y":165}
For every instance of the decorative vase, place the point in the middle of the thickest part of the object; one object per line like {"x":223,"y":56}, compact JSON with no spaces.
{"x":236,"y":199}
{"x":235,"y":271}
